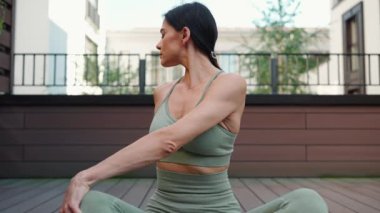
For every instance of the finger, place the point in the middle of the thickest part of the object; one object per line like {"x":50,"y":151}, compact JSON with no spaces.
{"x":75,"y":209}
{"x":67,"y":209}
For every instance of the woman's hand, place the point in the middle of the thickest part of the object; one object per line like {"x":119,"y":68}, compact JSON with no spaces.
{"x":74,"y":195}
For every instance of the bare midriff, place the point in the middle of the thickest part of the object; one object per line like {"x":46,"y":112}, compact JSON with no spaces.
{"x":190,"y":169}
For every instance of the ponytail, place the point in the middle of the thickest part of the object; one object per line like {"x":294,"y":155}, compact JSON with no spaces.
{"x":213,"y":59}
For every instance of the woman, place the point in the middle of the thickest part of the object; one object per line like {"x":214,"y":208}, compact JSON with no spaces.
{"x":191,"y":137}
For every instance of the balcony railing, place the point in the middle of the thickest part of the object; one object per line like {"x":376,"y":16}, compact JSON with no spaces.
{"x":303,"y":73}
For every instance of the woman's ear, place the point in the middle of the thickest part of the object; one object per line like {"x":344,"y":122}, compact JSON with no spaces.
{"x":185,"y":35}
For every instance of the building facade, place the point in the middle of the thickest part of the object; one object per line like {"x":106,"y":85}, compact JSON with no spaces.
{"x":49,"y":32}
{"x":355,"y":30}
{"x":6,"y":33}
{"x":231,"y":43}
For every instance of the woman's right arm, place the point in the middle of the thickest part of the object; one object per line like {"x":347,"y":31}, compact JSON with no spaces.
{"x":219,"y":102}
{"x":144,"y":151}
{"x":217,"y":105}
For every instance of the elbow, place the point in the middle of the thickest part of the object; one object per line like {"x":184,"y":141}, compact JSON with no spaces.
{"x":166,"y":144}
{"x":167,"y":147}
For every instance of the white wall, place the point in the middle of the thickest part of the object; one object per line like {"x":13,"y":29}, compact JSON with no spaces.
{"x":31,"y":26}
{"x":371,"y":18}
{"x":53,"y":26}
{"x":371,"y":25}
{"x":230,"y":40}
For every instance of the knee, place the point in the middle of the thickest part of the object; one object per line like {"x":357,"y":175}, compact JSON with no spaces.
{"x":307,"y":193}
{"x":309,"y":199}
{"x":93,"y":201}
{"x":92,"y":197}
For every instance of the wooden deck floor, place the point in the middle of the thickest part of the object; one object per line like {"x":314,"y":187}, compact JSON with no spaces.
{"x":342,"y":194}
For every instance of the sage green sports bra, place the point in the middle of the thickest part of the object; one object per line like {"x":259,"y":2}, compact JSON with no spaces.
{"x":211,"y":148}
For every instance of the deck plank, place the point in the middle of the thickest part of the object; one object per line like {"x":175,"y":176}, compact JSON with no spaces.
{"x":21,"y":188}
{"x":247,"y":199}
{"x":275,"y":187}
{"x":42,"y":197}
{"x":122,"y":187}
{"x":262,"y":192}
{"x":359,"y":187}
{"x":339,"y":197}
{"x":332,"y":205}
{"x":370,"y":184}
{"x":138,"y":192}
{"x":362,"y":198}
{"x":49,"y":206}
{"x":149,"y":194}
{"x":348,"y":195}
{"x":22,"y":197}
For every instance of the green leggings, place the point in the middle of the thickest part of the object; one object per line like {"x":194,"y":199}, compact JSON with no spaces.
{"x":179,"y":193}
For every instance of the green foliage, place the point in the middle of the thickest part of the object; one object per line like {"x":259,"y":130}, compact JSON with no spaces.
{"x":91,"y":72}
{"x":111,"y":76}
{"x":277,"y":35}
{"x":2,"y":16}
{"x":118,"y":79}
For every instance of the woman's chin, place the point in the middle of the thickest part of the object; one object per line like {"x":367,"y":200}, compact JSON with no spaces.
{"x":168,"y":64}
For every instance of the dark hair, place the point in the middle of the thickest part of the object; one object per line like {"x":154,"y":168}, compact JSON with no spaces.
{"x":201,"y":23}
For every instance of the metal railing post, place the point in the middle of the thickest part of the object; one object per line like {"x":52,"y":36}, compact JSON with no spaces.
{"x":142,"y":69}
{"x":274,"y":73}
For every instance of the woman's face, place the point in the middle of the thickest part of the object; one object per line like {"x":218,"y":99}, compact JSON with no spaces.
{"x":169,"y":45}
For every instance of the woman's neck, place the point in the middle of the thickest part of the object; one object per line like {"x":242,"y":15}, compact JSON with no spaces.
{"x":198,"y":69}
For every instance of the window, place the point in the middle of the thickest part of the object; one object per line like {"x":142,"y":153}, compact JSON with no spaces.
{"x":92,"y":13}
{"x":90,"y":46}
{"x":91,"y":62}
{"x":336,"y":2}
{"x":353,"y":44}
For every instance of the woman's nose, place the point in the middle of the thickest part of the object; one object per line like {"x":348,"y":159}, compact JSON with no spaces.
{"x":158,"y":45}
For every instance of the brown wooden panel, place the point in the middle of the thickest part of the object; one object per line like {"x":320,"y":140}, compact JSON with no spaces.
{"x":304,"y":169}
{"x":311,"y":109}
{"x":308,"y":137}
{"x":5,"y":38}
{"x":79,"y":109}
{"x":87,"y":120}
{"x":58,"y":169}
{"x":71,"y":136}
{"x":11,"y":153}
{"x":4,"y":84}
{"x":273,"y":120}
{"x":344,"y":120}
{"x":5,"y":61}
{"x":268,"y":153}
{"x":69,"y":153}
{"x":274,"y":109}
{"x":8,"y":17}
{"x":11,"y":120}
{"x":343,"y":153}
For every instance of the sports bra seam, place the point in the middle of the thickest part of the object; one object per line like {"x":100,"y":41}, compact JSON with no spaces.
{"x":168,"y":94}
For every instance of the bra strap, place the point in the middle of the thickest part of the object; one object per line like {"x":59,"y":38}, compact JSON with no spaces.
{"x":171,"y":90}
{"x":208,"y":85}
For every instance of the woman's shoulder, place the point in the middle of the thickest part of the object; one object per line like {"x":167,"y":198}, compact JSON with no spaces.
{"x":231,"y":82}
{"x":161,"y":91}
{"x":235,"y":77}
